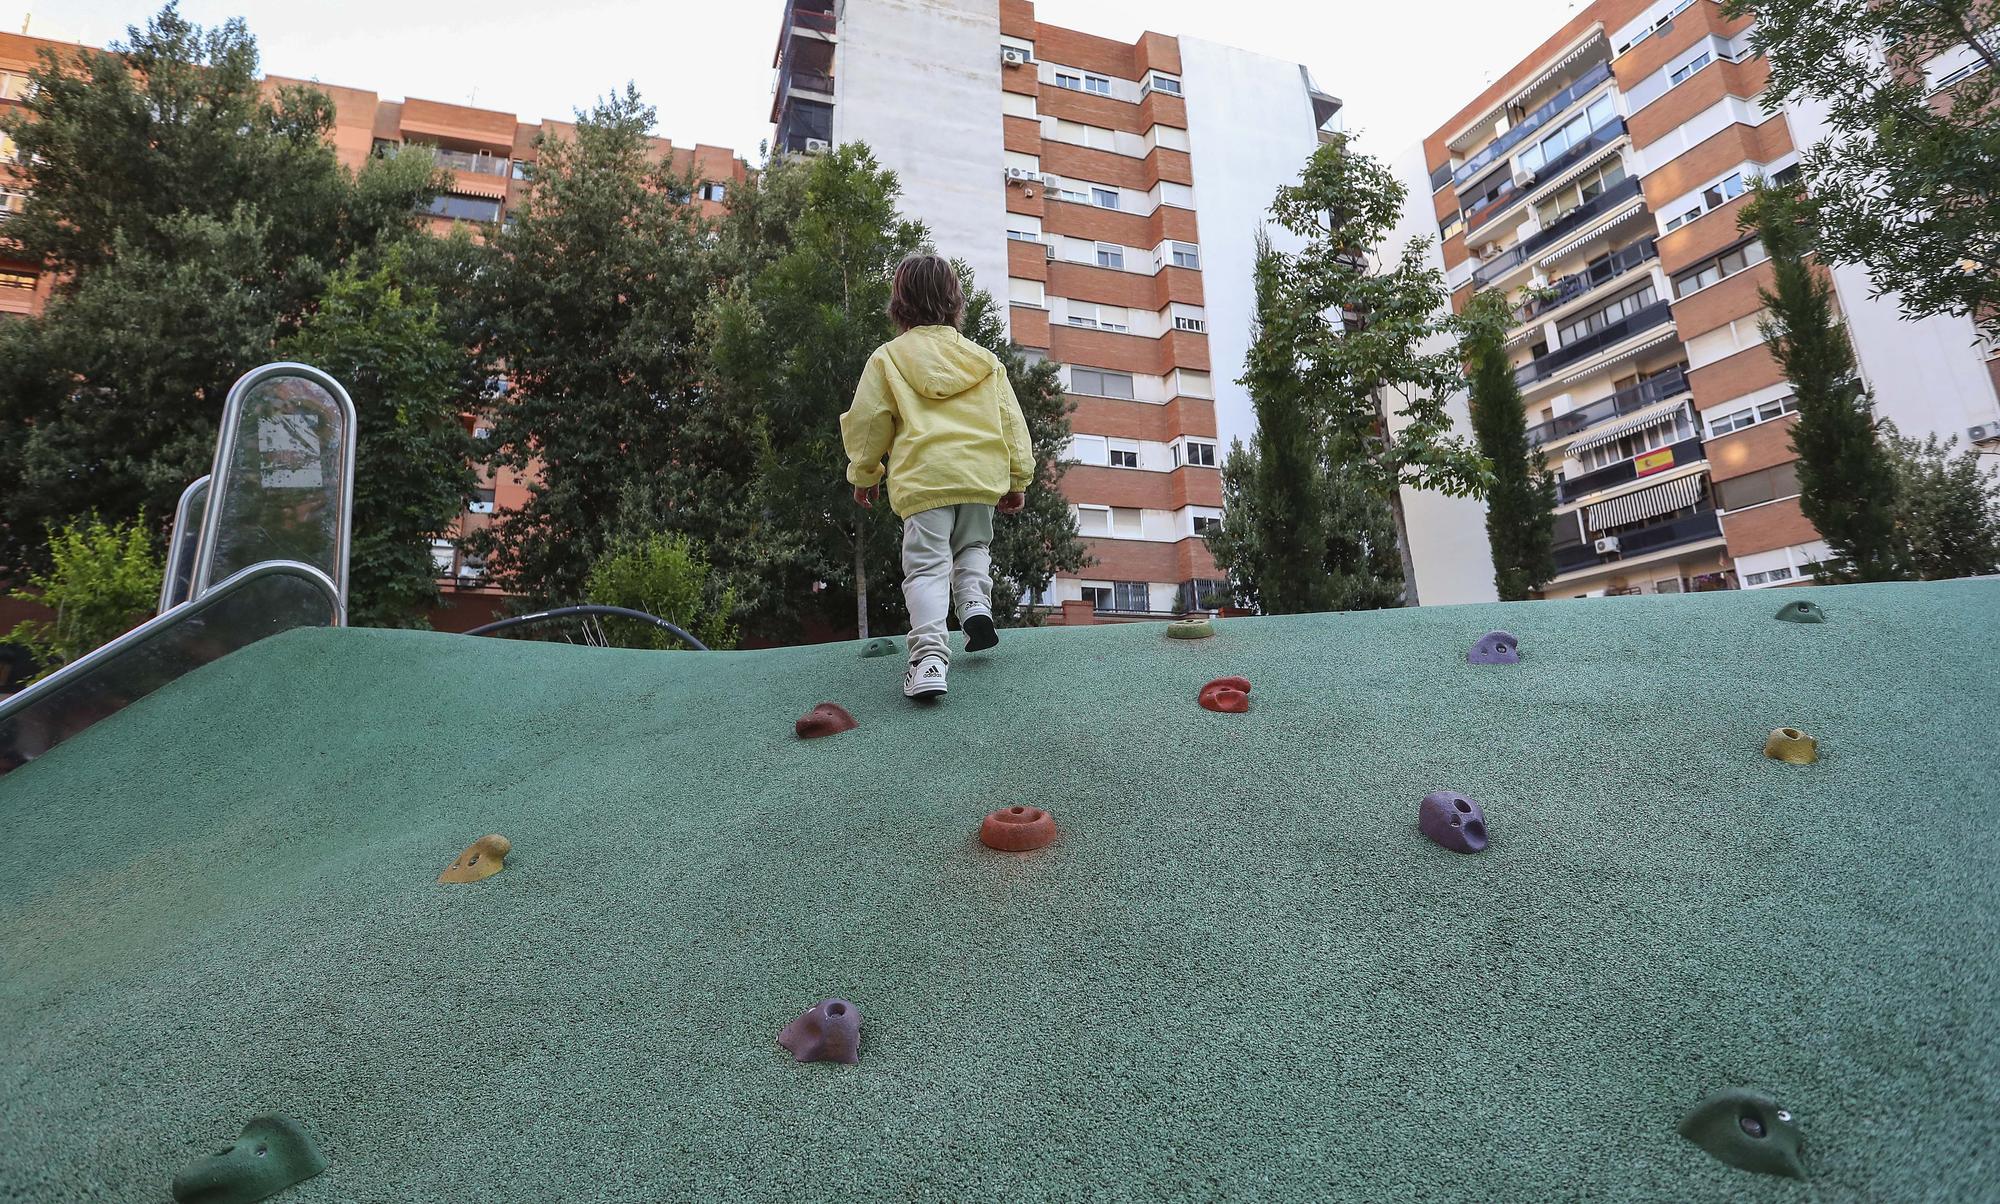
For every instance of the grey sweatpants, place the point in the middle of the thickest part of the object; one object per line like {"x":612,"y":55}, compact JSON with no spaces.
{"x":946,"y":561}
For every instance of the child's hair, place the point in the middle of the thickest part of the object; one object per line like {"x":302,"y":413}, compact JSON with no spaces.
{"x":925,"y":293}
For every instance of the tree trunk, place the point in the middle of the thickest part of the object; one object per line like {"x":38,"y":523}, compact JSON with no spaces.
{"x":861,"y":578}
{"x":1403,"y":547}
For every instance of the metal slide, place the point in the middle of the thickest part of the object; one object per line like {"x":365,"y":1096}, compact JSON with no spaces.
{"x":269,"y":554}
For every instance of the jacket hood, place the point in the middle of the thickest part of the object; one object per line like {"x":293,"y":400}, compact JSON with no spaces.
{"x":938,"y":362}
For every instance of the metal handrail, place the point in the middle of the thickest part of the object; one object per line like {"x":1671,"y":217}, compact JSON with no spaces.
{"x":563,"y":612}
{"x":176,"y":544}
{"x":225,"y":448}
{"x":91,"y":661}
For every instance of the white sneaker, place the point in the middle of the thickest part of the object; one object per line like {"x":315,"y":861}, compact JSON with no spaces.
{"x":925,"y":679}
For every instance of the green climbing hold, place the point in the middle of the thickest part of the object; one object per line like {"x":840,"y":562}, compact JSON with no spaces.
{"x":882,"y":646}
{"x":1801,"y":612}
{"x":272,"y":1154}
{"x":1190,"y":629}
{"x":1749,"y":1131}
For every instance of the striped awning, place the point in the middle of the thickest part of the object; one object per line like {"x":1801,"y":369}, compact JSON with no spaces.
{"x":1645,"y":503}
{"x":1584,"y":45}
{"x":1624,"y":215}
{"x":1643,"y":420}
{"x":1543,"y":190}
{"x":1593,"y":367}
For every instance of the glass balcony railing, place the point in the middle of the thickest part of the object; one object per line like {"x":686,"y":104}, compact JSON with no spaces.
{"x":1628,"y":400}
{"x":1581,"y":216}
{"x":1657,"y":314}
{"x":1689,"y":528}
{"x":1603,"y":136}
{"x":1530,"y":124}
{"x":485,"y":165}
{"x":1686,"y":452}
{"x":1565,"y":289}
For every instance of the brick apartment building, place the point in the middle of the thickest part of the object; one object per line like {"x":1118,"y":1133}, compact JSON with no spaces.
{"x":1109,"y":192}
{"x":1609,"y":168}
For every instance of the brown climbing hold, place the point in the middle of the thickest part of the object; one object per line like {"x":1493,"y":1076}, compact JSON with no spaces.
{"x":483,"y":858}
{"x":824,"y":720}
{"x":1792,"y":745}
{"x":1017,"y":829}
{"x":1229,"y":694}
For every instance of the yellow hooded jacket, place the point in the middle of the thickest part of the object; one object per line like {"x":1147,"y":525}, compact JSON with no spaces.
{"x":939,"y":406}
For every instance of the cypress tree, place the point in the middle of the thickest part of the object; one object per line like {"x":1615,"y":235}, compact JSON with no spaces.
{"x":1520,"y":509}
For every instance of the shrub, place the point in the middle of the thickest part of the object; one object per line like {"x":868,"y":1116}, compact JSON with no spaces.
{"x":666,"y":575}
{"x":104,"y":580}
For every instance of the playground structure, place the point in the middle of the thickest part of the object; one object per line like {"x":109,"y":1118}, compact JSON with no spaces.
{"x":268,"y":554}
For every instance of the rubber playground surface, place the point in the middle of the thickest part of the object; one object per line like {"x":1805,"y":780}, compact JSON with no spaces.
{"x":1240,"y":972}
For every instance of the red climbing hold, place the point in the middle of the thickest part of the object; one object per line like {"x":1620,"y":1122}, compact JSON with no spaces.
{"x":1230,"y":694}
{"x":824,"y":720}
{"x":1017,"y":829}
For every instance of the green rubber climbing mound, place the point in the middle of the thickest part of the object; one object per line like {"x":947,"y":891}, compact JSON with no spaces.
{"x":1240,"y":971}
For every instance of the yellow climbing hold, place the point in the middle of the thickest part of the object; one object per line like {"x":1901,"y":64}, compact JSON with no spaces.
{"x":483,"y":858}
{"x":1791,"y":744}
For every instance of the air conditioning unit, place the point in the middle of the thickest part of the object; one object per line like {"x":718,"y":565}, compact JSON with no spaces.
{"x":1050,"y":181}
{"x":1607,"y":544}
{"x":1048,"y":251}
{"x":1490,"y":250}
{"x":1020,"y":175}
{"x":1984,"y":434}
{"x":1538,"y":280}
{"x":818,"y":146}
{"x":1523,"y":177}
{"x":1015,"y":57}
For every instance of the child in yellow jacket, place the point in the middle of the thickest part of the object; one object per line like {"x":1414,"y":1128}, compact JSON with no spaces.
{"x":940,"y":408}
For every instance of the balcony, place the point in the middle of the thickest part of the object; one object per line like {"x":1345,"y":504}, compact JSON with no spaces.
{"x":1577,"y":285}
{"x":1603,"y":136}
{"x":1628,"y":400}
{"x":1686,"y":452}
{"x":485,"y":165}
{"x":1581,"y":216}
{"x":1530,"y":124}
{"x":1659,"y":313}
{"x":1691,"y":528}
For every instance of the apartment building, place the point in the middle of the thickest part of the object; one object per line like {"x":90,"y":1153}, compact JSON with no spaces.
{"x":1110,"y":192}
{"x":1599,"y":181}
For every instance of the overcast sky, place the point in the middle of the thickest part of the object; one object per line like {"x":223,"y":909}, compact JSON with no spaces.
{"x":1402,"y":67}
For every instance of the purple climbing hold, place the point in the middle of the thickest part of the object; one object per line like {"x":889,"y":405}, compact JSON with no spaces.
{"x":1453,"y":820}
{"x":1495,"y":648}
{"x":829,"y":1031}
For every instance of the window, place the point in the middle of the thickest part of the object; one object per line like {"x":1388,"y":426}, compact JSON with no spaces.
{"x":1124,"y":457}
{"x":1025,"y":235}
{"x":1204,"y":523}
{"x":1098,"y":84}
{"x":12,"y":201}
{"x":1192,"y":384}
{"x":1099,"y":596}
{"x":1663,"y":22}
{"x":1185,"y":322}
{"x":465,"y":208}
{"x":1025,"y":292}
{"x":1589,"y":324}
{"x":1722,"y":267}
{"x":1072,"y":196}
{"x":1961,"y":73}
{"x":471,"y":570}
{"x":15,"y":86}
{"x":442,"y":554}
{"x":1185,"y":255}
{"x":713,"y":190}
{"x":24,"y":281}
{"x":1781,"y":573}
{"x":1767,"y":485}
{"x":1450,"y":227}
{"x":523,"y":170}
{"x":1114,"y":318}
{"x":1574,"y":133}
{"x":1713,"y":197}
{"x":1582,"y":191}
{"x":1163,"y":83}
{"x":1689,"y":68}
{"x":1638,"y":443}
{"x":1110,"y":255}
{"x":1093,"y":520}
{"x":1127,"y":521}
{"x":9,"y":153}
{"x":1194,"y":454}
{"x":1104,"y":198}
{"x":1065,"y":80}
{"x":1748,"y":416}
{"x":1130,"y":595}
{"x":482,"y":501}
{"x":1093,"y":382}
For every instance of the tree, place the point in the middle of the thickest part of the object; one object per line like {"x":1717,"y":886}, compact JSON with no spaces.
{"x":385,"y":343}
{"x":666,"y":575}
{"x":193,"y":220}
{"x":595,"y":296}
{"x":1847,"y":483}
{"x":105,"y":580}
{"x":1358,"y":333}
{"x":1350,"y":402}
{"x":1520,"y":506}
{"x":1908,"y":187}
{"x":1947,"y":509}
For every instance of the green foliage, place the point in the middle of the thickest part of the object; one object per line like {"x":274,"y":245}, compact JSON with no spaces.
{"x":667,"y":575}
{"x":1909,"y":188}
{"x":104,"y":581}
{"x":1947,"y":509}
{"x":594,"y":298}
{"x":1847,"y":483}
{"x":1520,"y":506}
{"x":1350,"y":404}
{"x":384,"y":341}
{"x":194,"y":219}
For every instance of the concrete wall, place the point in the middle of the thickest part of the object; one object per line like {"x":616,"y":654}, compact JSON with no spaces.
{"x":940,"y":59}
{"x":1447,"y":535}
{"x":1250,"y":130}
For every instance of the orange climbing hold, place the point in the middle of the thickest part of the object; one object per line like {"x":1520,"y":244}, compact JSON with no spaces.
{"x":824,"y":720}
{"x":1229,"y":694}
{"x":1017,"y":829}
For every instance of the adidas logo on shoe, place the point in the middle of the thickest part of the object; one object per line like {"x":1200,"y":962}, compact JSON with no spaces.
{"x":925,"y":679}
